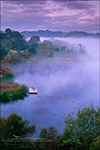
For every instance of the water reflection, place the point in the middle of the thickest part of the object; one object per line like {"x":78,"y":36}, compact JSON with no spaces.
{"x":63,"y":87}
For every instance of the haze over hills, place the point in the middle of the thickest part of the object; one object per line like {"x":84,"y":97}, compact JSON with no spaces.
{"x":47,"y":33}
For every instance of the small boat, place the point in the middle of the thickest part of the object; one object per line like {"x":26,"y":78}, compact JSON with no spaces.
{"x":32,"y":90}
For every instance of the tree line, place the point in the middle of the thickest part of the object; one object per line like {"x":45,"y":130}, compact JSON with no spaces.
{"x":14,"y":47}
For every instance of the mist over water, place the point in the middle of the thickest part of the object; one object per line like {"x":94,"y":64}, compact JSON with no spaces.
{"x":63,"y":86}
{"x":92,"y":45}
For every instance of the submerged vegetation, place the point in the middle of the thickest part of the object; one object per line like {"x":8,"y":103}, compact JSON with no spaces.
{"x":80,"y":133}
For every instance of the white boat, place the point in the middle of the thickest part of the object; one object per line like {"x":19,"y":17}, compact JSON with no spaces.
{"x":32,"y":90}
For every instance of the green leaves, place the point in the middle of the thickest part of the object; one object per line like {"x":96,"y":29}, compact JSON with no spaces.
{"x":14,"y":125}
{"x":49,"y":133}
{"x":96,"y":144}
{"x":83,"y":128}
{"x":14,"y":93}
{"x":12,"y":40}
{"x":87,"y":119}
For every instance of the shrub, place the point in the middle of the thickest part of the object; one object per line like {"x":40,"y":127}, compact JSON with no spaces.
{"x":7,"y":73}
{"x":13,"y":93}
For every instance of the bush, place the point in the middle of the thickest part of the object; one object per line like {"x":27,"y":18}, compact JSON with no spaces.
{"x":13,"y":93}
{"x":70,"y":144}
{"x":7,"y":73}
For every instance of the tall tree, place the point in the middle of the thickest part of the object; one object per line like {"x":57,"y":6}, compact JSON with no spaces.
{"x":14,"y":125}
{"x":82,"y":129}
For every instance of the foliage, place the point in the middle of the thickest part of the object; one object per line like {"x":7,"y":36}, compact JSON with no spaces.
{"x":12,"y":57}
{"x":34,"y":45}
{"x":32,"y":50}
{"x":14,"y":48}
{"x":56,"y":49}
{"x":25,"y":54}
{"x":85,"y":127}
{"x":10,"y":91}
{"x":8,"y":58}
{"x":63,"y":48}
{"x":3,"y":52}
{"x":34,"y":39}
{"x":12,"y":40}
{"x":14,"y":125}
{"x":45,"y":48}
{"x":70,"y":144}
{"x":6,"y":72}
{"x":80,"y":133}
{"x":49,"y":133}
{"x":96,"y":144}
{"x":13,"y":93}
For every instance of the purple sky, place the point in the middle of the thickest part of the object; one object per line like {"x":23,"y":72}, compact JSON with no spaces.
{"x":50,"y":15}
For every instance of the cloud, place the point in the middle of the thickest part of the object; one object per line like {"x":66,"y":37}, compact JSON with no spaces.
{"x":79,"y":5}
{"x":52,"y":15}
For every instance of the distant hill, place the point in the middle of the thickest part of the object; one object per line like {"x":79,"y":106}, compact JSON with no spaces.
{"x":47,"y":33}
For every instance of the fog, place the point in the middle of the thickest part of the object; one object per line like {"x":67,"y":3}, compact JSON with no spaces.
{"x":92,"y":45}
{"x":64,"y":85}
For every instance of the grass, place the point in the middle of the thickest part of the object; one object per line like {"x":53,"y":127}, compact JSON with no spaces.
{"x":13,"y":93}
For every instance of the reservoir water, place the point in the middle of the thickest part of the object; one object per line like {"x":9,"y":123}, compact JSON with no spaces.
{"x":63,"y":87}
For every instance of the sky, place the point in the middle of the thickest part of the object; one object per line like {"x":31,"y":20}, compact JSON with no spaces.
{"x":55,"y":15}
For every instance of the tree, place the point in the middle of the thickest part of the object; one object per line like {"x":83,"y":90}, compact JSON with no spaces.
{"x":18,"y":42}
{"x":63,"y":48}
{"x":49,"y":133}
{"x":85,"y":127}
{"x":96,"y":144}
{"x":6,"y":44}
{"x":3,"y":52}
{"x":56,"y":49}
{"x":34,"y":39}
{"x":14,"y":125}
{"x":12,"y":57}
{"x":35,"y":45}
{"x":8,"y":31}
{"x":8,"y":58}
{"x":32,"y":50}
{"x":69,"y":144}
{"x":12,"y":40}
{"x":45,"y":48}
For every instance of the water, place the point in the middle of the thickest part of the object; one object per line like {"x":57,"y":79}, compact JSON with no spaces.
{"x":63,"y":86}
